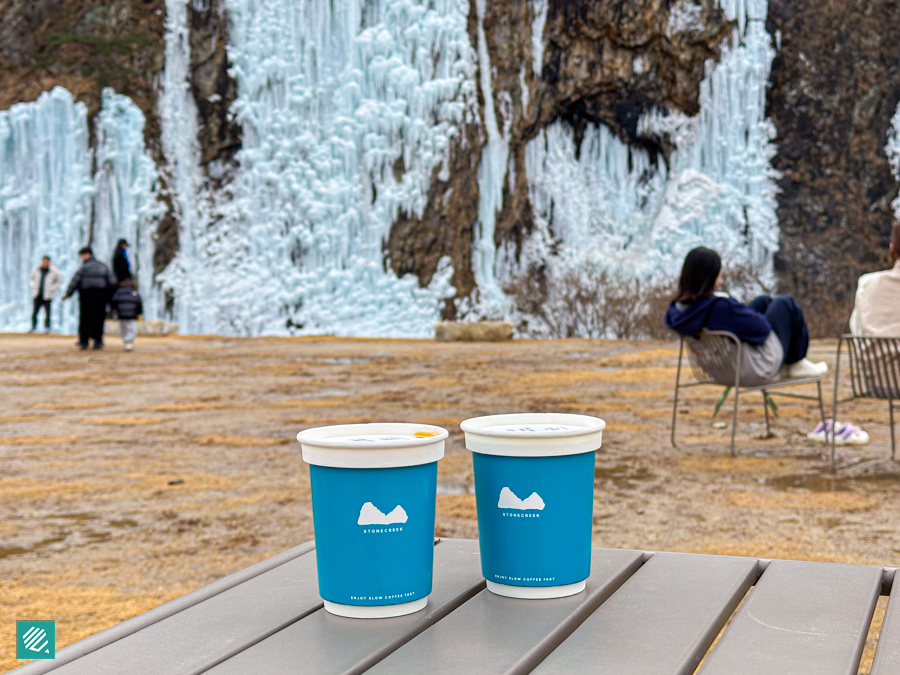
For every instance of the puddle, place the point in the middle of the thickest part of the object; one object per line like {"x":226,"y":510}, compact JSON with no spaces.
{"x":327,"y":393}
{"x":623,"y":476}
{"x":81,"y":517}
{"x":450,"y":488}
{"x":9,"y":551}
{"x":808,"y":483}
{"x":123,"y":522}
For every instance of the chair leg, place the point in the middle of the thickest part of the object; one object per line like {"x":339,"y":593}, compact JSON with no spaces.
{"x":734,"y":420}
{"x":833,"y":424}
{"x":766,"y":410}
{"x":821,"y":404}
{"x":674,"y":416}
{"x":677,"y":383}
{"x":891,"y":415}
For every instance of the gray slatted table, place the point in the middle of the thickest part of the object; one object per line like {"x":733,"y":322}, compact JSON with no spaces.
{"x":646,"y":613}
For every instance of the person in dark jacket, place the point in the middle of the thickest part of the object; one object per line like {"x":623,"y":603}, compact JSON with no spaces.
{"x":126,"y":303}
{"x":94,"y":283}
{"x":120,"y":264}
{"x":773,"y":329}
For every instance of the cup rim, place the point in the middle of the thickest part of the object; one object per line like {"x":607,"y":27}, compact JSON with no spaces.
{"x":322,"y":446}
{"x":326,"y":436}
{"x":586,"y":424}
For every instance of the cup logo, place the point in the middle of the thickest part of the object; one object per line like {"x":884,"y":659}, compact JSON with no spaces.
{"x":370,"y":514}
{"x":509,"y":500}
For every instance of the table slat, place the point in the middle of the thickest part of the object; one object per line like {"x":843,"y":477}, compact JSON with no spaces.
{"x":322,"y":643}
{"x":662,"y":620}
{"x":802,"y":618}
{"x":197,"y":638}
{"x":493,"y":634}
{"x":887,"y":654}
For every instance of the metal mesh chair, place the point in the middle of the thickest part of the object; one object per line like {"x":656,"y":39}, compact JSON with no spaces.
{"x":874,"y":373}
{"x":715,"y":358}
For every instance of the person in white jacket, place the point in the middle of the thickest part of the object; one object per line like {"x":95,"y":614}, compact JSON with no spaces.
{"x":45,"y":280}
{"x":877,"y":309}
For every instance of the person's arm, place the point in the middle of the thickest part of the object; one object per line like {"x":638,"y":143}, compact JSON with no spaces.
{"x":748,"y":324}
{"x":140,"y":307}
{"x":74,"y":284}
{"x":54,"y":279}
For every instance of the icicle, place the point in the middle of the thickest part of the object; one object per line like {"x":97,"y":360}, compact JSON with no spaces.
{"x":332,"y":99}
{"x":613,"y":206}
{"x":45,"y":200}
{"x":126,"y":181}
{"x":491,"y":175}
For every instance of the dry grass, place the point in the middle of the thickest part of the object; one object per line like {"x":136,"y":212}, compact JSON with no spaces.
{"x":457,"y":506}
{"x":8,"y":419}
{"x":125,"y":421}
{"x":185,"y":407}
{"x":239,"y":441}
{"x":826,"y":501}
{"x":37,"y":440}
{"x":75,"y":405}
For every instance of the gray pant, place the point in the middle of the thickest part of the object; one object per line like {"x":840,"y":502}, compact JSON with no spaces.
{"x":128,"y":328}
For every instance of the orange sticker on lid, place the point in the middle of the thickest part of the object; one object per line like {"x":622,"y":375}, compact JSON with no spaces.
{"x":426,"y":434}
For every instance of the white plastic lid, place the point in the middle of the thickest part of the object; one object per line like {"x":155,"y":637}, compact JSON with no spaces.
{"x":533,"y":434}
{"x":372,"y":446}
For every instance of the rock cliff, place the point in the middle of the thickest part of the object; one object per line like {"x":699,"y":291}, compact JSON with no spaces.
{"x":835,"y":85}
{"x":600,"y":61}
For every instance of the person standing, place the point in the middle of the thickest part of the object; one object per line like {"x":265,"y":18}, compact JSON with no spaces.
{"x":94,"y":284}
{"x":120,"y":263}
{"x":126,"y":302}
{"x":45,"y":281}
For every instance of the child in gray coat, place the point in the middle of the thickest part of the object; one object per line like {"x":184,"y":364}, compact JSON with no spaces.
{"x":126,"y":302}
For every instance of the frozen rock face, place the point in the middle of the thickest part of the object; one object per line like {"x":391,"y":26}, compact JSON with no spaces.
{"x":541,"y":63}
{"x":83,"y":47}
{"x":833,"y":94}
{"x":52,"y":201}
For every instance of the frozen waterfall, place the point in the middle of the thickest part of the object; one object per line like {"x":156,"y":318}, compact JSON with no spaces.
{"x":51,"y":202}
{"x":346,"y":109}
{"x":612,"y":207}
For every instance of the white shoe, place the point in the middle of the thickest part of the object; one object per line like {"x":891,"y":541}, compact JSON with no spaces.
{"x":806,"y":368}
{"x":128,"y":346}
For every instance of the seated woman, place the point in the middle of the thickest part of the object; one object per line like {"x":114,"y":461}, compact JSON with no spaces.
{"x":773,"y":329}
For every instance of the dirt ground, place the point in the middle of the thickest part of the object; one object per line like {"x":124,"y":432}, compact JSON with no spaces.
{"x":128,"y":479}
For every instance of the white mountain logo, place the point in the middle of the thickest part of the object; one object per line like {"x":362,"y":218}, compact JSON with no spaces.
{"x":508,"y":500}
{"x":370,"y":515}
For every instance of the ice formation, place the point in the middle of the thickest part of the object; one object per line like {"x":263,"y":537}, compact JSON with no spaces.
{"x":892,"y":149}
{"x":637,"y":219}
{"x":126,"y":184}
{"x":346,"y":109}
{"x":45,"y":199}
{"x":52,"y":204}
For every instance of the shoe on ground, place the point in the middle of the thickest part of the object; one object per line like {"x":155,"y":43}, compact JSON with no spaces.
{"x":81,"y":346}
{"x":46,"y":331}
{"x":806,"y":368}
{"x":98,"y":345}
{"x":33,"y":330}
{"x":128,"y":346}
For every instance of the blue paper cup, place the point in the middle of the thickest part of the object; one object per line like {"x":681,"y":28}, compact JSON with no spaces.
{"x":534,"y":487}
{"x":373,"y":496}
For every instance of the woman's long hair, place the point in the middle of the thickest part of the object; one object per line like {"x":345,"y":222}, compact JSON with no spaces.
{"x":698,"y":275}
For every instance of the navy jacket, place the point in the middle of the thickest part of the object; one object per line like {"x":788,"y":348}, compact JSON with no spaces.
{"x":719,"y":313}
{"x":127,"y":303}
